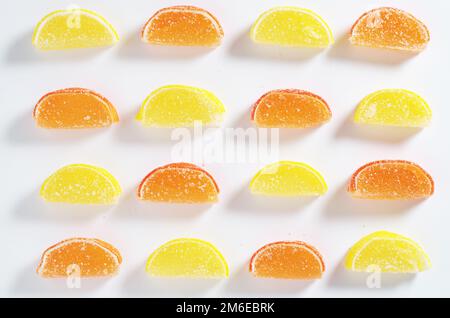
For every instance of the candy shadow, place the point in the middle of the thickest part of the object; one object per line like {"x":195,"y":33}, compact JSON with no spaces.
{"x":340,"y":277}
{"x":34,"y":209}
{"x":132,"y":131}
{"x":341,"y":204}
{"x":23,"y":51}
{"x":243,"y":282}
{"x":132,"y":47}
{"x":23,"y":130}
{"x":344,"y":50}
{"x":29,"y":283}
{"x":139,"y":284}
{"x":383,"y":134}
{"x":244,"y":47}
{"x":244,"y":201}
{"x":130,"y":207}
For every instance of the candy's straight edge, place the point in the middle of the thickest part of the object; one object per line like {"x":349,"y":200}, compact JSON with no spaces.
{"x":363,"y":104}
{"x":291,"y":8}
{"x":90,"y":13}
{"x":212,"y":247}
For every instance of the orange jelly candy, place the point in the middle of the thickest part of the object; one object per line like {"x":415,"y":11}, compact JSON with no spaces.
{"x":287,"y":260}
{"x":74,"y":108}
{"x":80,"y":256}
{"x":183,"y":26}
{"x":179,"y":183}
{"x":391,"y":180}
{"x":290,"y":108}
{"x":391,"y":29}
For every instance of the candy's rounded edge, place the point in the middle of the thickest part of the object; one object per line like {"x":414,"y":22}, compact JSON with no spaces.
{"x":68,"y":11}
{"x":187,"y":7}
{"x":177,"y":165}
{"x":102,"y":171}
{"x":397,"y":11}
{"x":114,"y":116}
{"x":357,"y":118}
{"x":212,"y":247}
{"x":104,"y":245}
{"x":362,"y":242}
{"x":302,"y":165}
{"x":292,"y":8}
{"x":289,"y":91}
{"x":140,"y":116}
{"x":351,"y":188}
{"x":262,"y":249}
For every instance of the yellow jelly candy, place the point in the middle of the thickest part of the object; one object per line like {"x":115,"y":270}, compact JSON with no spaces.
{"x":189,"y":258}
{"x":81,"y":184}
{"x":288,"y":178}
{"x":394,"y":107}
{"x":72,"y":29}
{"x":180,"y":106}
{"x":387,"y":252}
{"x":292,"y":26}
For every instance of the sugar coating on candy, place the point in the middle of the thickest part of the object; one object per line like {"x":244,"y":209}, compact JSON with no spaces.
{"x":290,"y":108}
{"x":74,"y":108}
{"x":391,"y":180}
{"x":180,"y":106}
{"x":394,"y":107}
{"x":183,"y":26}
{"x":288,"y":179}
{"x":292,"y":27}
{"x":81,"y":184}
{"x":179,"y":183}
{"x":72,"y":29}
{"x":80,"y":256}
{"x":188,"y":258}
{"x":387,"y":252}
{"x":287,"y":260}
{"x":391,"y":29}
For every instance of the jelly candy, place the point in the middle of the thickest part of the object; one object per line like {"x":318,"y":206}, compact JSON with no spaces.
{"x":82,"y":257}
{"x":387,"y":252}
{"x":74,"y":108}
{"x":187,"y":258}
{"x":291,"y":26}
{"x":183,"y":26}
{"x":72,"y":29}
{"x":287,"y":260}
{"x":290,"y":108}
{"x":288,"y":178}
{"x":81,"y":184}
{"x":390,"y":28}
{"x":180,"y":106}
{"x":394,"y":107}
{"x":391,"y":180}
{"x":179,"y":183}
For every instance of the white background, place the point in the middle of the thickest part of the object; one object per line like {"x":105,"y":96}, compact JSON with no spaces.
{"x":238,"y":72}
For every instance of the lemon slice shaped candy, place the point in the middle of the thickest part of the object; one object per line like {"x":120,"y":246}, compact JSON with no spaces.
{"x":388,"y":253}
{"x":292,"y":26}
{"x":288,"y":178}
{"x":81,"y":184}
{"x":72,"y":29}
{"x":180,"y":106}
{"x":188,"y":258}
{"x":394,"y":107}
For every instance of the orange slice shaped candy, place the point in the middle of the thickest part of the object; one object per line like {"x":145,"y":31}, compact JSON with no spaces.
{"x":179,"y":183}
{"x":83,"y":257}
{"x":287,"y":260}
{"x":390,"y":28}
{"x":74,"y":108}
{"x":290,"y":108}
{"x":391,"y":180}
{"x":183,"y":26}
